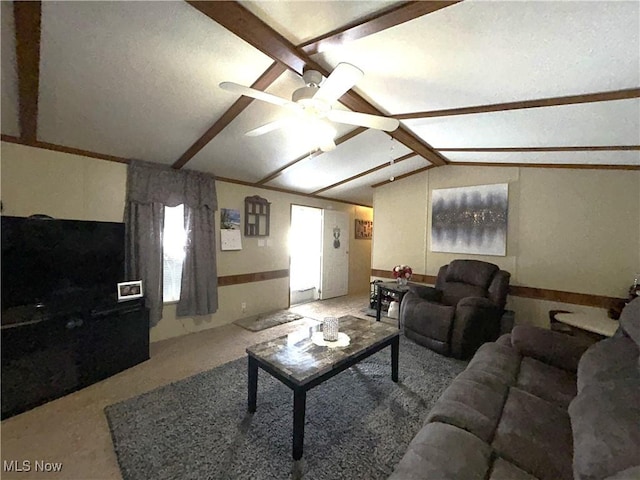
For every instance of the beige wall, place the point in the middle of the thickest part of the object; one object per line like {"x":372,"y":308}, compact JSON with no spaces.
{"x":570,"y":230}
{"x":399,"y":224}
{"x":74,"y":187}
{"x":61,"y":185}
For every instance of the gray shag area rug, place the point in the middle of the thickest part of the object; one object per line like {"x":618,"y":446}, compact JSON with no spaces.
{"x":358,"y":423}
{"x":268,"y":320}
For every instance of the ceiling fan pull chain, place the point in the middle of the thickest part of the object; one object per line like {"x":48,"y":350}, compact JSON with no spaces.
{"x":391,"y":152}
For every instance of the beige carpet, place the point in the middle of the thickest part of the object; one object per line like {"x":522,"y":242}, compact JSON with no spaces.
{"x":267,"y":320}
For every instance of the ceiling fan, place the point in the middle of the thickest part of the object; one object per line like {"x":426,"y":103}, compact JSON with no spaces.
{"x":314,"y":102}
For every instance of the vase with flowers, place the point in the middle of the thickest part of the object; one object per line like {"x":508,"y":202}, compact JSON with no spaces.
{"x":402,"y":274}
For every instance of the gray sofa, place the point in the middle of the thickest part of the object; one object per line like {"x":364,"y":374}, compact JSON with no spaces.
{"x":537,"y":404}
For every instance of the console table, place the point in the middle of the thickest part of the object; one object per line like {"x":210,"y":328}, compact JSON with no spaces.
{"x":46,"y":355}
{"x":595,"y":324}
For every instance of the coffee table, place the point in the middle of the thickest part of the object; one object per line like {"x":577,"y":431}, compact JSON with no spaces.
{"x":301,"y":364}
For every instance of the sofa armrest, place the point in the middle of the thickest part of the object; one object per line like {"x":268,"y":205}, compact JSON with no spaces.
{"x":554,"y":348}
{"x":426,"y":293}
{"x":477,"y":320}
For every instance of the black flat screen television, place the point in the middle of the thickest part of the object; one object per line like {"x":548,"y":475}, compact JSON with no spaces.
{"x":58,"y":264}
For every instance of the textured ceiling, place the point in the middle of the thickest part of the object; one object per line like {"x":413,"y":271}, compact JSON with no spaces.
{"x":477,"y":53}
{"x":127,"y":80}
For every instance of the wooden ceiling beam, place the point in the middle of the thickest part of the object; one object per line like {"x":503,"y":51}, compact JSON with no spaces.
{"x":285,"y":190}
{"x":400,"y":177}
{"x":27,"y":16}
{"x":599,"y":148}
{"x":362,"y":174}
{"x":374,"y":23}
{"x":242,"y":23}
{"x":543,"y":102}
{"x":581,"y":166}
{"x":369,"y":25}
{"x":61,"y":148}
{"x":577,"y":166}
{"x":278,"y":172}
{"x":266,"y":79}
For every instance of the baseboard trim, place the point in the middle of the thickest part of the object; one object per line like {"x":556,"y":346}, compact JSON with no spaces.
{"x":586,"y":299}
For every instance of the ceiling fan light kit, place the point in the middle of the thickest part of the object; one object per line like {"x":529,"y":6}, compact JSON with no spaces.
{"x":314,"y":102}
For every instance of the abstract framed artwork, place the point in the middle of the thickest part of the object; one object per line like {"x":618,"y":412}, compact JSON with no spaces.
{"x":364,"y":229}
{"x":470,"y":219}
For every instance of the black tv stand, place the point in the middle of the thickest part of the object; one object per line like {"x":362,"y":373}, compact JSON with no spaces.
{"x":47,"y":354}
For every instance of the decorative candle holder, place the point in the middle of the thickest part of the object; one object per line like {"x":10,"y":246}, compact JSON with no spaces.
{"x":330,"y":329}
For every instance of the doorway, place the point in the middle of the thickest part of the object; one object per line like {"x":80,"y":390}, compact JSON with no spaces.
{"x":305,"y":248}
{"x":319,"y":254}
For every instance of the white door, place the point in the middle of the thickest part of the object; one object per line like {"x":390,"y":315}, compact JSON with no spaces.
{"x":335,"y":254}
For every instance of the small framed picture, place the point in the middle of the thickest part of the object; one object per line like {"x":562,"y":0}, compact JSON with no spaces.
{"x":364,"y":229}
{"x":129,"y":290}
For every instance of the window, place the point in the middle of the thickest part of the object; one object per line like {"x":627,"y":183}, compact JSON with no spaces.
{"x":173,"y":244}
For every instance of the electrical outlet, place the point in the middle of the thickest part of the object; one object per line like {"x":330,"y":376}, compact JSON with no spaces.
{"x":243,"y":306}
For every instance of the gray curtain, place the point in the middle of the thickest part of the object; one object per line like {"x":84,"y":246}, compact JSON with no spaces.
{"x":150,"y":188}
{"x":144,"y":224}
{"x":199,"y":274}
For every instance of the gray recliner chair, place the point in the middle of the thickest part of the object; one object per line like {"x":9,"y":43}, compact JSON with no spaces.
{"x":461,"y":313}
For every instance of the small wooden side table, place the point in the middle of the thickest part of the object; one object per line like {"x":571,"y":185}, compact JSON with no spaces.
{"x":391,"y":289}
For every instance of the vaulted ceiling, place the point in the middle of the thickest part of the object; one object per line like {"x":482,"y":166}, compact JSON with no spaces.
{"x":552,"y":84}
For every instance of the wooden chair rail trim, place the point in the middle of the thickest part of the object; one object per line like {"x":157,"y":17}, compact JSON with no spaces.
{"x":586,"y":299}
{"x":239,"y":279}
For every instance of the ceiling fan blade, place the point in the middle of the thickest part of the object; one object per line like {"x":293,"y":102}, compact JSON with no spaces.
{"x":328,"y":146}
{"x":343,"y":77}
{"x":364,"y":120}
{"x":268,"y":127}
{"x":257,"y":94}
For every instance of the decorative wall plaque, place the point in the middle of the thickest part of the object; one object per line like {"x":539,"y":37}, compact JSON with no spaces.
{"x":257,"y":212}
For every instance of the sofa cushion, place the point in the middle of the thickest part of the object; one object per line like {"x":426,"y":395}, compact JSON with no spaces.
{"x":453,"y":292}
{"x":435,"y":345}
{"x":632,"y":473}
{"x":605,"y":419}
{"x":547,"y":382}
{"x":472,"y":402}
{"x":630,"y":320}
{"x":499,"y":362}
{"x":609,"y":359}
{"x":444,"y":452}
{"x":473,"y":272}
{"x":550,"y":347}
{"x":424,"y":292}
{"x":429,"y":319}
{"x":503,"y":470}
{"x":535,"y":435}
